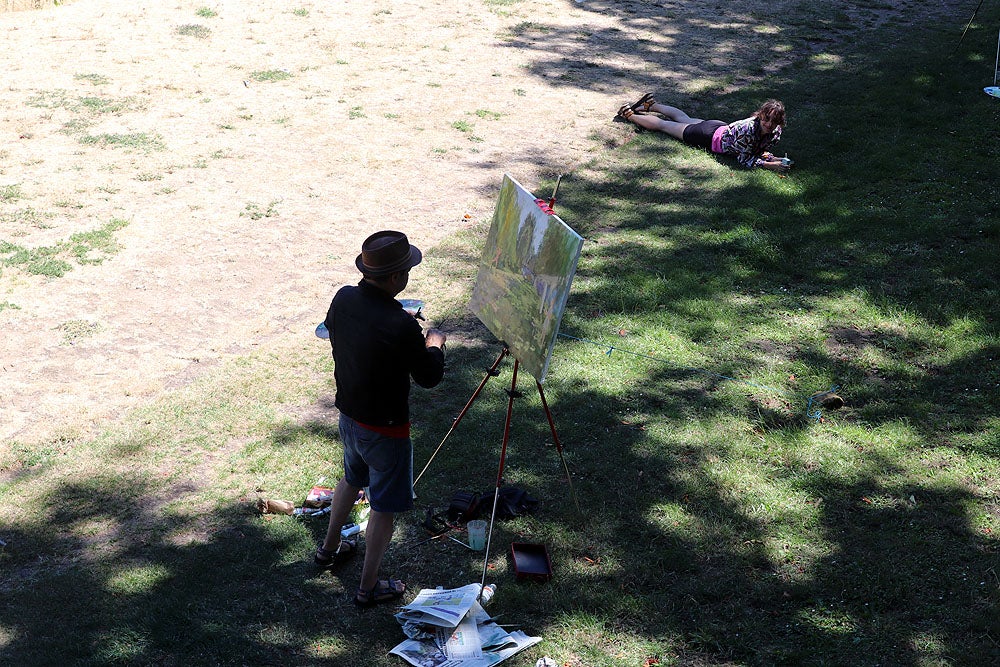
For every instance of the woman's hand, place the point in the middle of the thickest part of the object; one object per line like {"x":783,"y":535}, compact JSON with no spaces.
{"x":776,"y":164}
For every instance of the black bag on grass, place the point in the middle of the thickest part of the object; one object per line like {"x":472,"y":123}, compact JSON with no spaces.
{"x":513,"y":502}
{"x":464,"y":506}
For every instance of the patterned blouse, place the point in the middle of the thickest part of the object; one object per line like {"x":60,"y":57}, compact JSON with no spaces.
{"x":740,"y":139}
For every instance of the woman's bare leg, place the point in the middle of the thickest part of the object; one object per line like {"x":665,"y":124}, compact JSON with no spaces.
{"x":674,"y":114}
{"x":674,"y":128}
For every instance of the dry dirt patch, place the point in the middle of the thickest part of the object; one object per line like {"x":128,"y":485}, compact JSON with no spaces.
{"x":232,"y":156}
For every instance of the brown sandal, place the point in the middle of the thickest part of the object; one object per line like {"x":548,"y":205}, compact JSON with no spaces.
{"x":645,"y":103}
{"x":385,"y":590}
{"x":625,"y":112}
{"x":327,"y":559}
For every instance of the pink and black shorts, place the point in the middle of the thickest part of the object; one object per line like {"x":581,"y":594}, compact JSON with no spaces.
{"x":706,"y":134}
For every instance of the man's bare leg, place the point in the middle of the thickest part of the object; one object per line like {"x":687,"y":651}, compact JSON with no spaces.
{"x":378,"y":534}
{"x":344,"y":496}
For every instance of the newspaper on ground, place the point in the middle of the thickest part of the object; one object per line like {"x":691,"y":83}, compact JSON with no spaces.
{"x":429,"y":654}
{"x":449,"y":628}
{"x":443,"y":607}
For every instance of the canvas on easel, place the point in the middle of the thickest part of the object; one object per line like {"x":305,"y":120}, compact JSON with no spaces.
{"x":525,"y":275}
{"x":524,"y":278}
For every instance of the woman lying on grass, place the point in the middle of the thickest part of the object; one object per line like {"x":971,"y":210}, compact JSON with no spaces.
{"x":749,"y":139}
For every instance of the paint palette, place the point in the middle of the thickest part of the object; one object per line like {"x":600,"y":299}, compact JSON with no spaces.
{"x":411,"y":306}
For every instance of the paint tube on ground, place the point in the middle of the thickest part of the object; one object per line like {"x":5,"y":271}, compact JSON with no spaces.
{"x":310,"y":512}
{"x":487,"y":593}
{"x":352,"y":529}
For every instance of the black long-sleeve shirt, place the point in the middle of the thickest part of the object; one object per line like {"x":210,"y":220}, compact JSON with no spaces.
{"x":377,"y":348}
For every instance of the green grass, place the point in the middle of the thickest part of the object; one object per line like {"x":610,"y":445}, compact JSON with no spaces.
{"x":254,"y":211}
{"x":194,"y":30}
{"x":136,"y":142}
{"x":53,"y":261}
{"x":95,"y":79}
{"x":10,"y":193}
{"x":270,"y":75}
{"x":720,"y":525}
{"x":99,"y":105}
{"x":76,"y":330}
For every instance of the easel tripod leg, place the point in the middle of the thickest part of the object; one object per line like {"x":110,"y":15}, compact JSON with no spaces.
{"x":492,"y":371}
{"x":555,"y":439}
{"x":511,"y":395}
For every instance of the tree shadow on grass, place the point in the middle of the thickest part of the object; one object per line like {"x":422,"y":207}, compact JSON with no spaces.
{"x":880,"y":565}
{"x":110,"y":578}
{"x":863,"y":564}
{"x":669,"y":549}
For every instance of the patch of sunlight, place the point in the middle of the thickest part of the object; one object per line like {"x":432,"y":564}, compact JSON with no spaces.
{"x":671,"y":516}
{"x":830,"y":276}
{"x":769,"y":504}
{"x":276,"y":634}
{"x":766,"y":29}
{"x":826,"y":61}
{"x":965,"y":326}
{"x":326,"y":647}
{"x":95,"y":527}
{"x":787,"y":187}
{"x":701,"y":84}
{"x":930,"y":649}
{"x":7,"y":636}
{"x":120,"y":646}
{"x":683,"y":161}
{"x":137,"y":580}
{"x":673,"y":208}
{"x":732,"y":25}
{"x":795,"y":555}
{"x":829,"y":621}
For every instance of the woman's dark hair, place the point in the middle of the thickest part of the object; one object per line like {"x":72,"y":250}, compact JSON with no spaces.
{"x":772,"y":110}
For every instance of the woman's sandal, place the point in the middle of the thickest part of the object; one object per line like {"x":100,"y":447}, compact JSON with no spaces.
{"x":344,"y":552}
{"x":625,"y":112}
{"x":645,"y":103}
{"x":384,"y":591}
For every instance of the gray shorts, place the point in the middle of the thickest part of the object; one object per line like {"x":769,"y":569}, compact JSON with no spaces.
{"x":381,"y":463}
